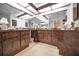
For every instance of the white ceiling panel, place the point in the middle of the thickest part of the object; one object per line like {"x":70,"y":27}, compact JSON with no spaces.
{"x":32,"y":9}
{"x":45,"y":9}
{"x":39,"y":4}
{"x":24,"y":4}
{"x":59,"y":5}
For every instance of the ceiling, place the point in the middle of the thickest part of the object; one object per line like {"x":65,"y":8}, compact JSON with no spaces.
{"x":7,"y":9}
{"x":39,"y":4}
{"x":57,"y":16}
{"x":41,"y":11}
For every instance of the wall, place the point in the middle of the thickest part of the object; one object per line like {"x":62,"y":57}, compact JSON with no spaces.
{"x":34,"y":20}
{"x":69,"y":16}
{"x":4,"y":26}
{"x":6,"y":11}
{"x":20,"y":22}
{"x":56,"y":16}
{"x":3,"y":14}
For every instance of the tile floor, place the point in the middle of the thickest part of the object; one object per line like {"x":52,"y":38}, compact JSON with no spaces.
{"x":39,"y":49}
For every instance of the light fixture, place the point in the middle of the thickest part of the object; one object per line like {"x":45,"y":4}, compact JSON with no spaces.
{"x":4,"y":21}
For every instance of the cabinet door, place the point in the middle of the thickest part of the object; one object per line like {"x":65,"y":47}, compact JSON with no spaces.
{"x":0,"y":45}
{"x":7,"y":47}
{"x":25,"y":37}
{"x":45,"y":37}
{"x":11,"y":46}
{"x":16,"y":45}
{"x":16,"y":42}
{"x":40,"y":36}
{"x":49,"y":36}
{"x":28,"y":38}
{"x":23,"y":41}
{"x":53,"y":40}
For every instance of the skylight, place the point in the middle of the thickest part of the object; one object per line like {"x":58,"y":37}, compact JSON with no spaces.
{"x":32,"y":9}
{"x":45,"y":9}
{"x":55,"y":10}
{"x":59,"y":5}
{"x":24,"y":4}
{"x":39,"y":4}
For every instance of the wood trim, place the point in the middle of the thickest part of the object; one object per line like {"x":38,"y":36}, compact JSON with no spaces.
{"x":41,"y":7}
{"x":46,"y":5}
{"x":45,"y":16}
{"x":22,"y":15}
{"x":33,"y":6}
{"x":36,"y":9}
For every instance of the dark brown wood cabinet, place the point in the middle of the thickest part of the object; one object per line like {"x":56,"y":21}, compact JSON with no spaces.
{"x":47,"y":36}
{"x":67,"y":41}
{"x":13,"y":41}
